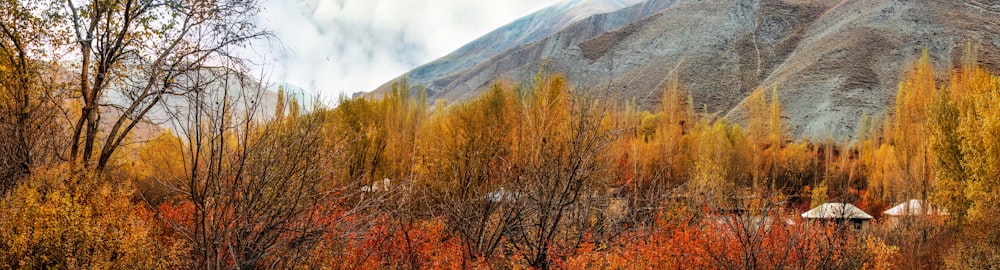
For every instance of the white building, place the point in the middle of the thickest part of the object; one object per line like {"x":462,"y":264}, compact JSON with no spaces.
{"x":915,"y":208}
{"x":912,"y":208}
{"x":840,"y":213}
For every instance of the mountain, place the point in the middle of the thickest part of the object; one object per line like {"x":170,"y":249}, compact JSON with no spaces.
{"x":466,"y":83}
{"x":173,"y":112}
{"x":829,"y":60}
{"x":533,"y":27}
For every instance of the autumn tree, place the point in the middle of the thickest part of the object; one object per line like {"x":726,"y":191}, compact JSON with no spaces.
{"x":469,"y":171}
{"x":662,"y":159}
{"x":720,"y":159}
{"x":30,"y":91}
{"x":364,"y":129}
{"x":947,"y":143}
{"x":280,"y":107}
{"x":903,"y":165}
{"x":968,"y":152}
{"x":766,"y":132}
{"x":253,"y":194}
{"x":405,"y":113}
{"x":963,"y":120}
{"x":559,"y":152}
{"x":162,"y":172}
{"x":139,"y":50}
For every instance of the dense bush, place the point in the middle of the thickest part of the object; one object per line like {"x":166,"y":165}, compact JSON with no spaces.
{"x":58,"y":219}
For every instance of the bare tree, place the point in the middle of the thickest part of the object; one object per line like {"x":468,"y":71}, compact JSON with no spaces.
{"x":755,"y":231}
{"x":261,"y":195}
{"x":746,"y":222}
{"x":139,"y":48}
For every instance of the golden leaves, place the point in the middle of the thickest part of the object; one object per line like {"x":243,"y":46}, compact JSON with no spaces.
{"x":60,"y":219}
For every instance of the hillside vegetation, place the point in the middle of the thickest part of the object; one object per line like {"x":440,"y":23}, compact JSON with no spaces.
{"x":534,"y":175}
{"x":830,"y":60}
{"x":524,"y":176}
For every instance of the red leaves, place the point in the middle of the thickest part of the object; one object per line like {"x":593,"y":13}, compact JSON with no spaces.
{"x":178,"y":215}
{"x":423,"y":245}
{"x":707,"y":245}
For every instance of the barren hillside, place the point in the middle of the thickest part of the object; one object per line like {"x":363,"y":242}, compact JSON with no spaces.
{"x":829,"y":60}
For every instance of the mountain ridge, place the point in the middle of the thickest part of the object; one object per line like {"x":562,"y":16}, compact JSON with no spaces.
{"x":830,"y":61}
{"x":527,"y":29}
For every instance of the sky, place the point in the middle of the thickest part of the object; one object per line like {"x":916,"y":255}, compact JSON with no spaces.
{"x":333,"y":47}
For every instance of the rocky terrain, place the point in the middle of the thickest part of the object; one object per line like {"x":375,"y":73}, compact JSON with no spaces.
{"x":830,"y":60}
{"x":533,"y":27}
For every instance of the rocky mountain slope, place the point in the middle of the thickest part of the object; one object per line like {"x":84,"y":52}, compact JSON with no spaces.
{"x":830,"y":60}
{"x":533,"y":27}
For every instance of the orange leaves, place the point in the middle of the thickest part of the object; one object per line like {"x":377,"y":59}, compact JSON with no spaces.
{"x":424,"y":245}
{"x":63,"y":220}
{"x":178,"y":215}
{"x":884,"y":255}
{"x":709,"y":243}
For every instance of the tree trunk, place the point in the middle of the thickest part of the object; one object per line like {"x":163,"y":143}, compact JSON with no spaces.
{"x":85,"y":111}
{"x":92,"y":126}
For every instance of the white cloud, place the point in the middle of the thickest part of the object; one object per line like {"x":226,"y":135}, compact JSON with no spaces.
{"x":347,"y":46}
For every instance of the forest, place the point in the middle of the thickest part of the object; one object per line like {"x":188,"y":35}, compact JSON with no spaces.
{"x":536,"y":175}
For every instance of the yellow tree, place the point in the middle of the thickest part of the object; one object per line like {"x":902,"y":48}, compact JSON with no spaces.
{"x":676,"y":120}
{"x":903,"y":165}
{"x":659,"y":156}
{"x":469,"y":169}
{"x":161,"y":170}
{"x":362,"y":126}
{"x":767,"y":137}
{"x":972,"y":96}
{"x":279,"y":107}
{"x":947,"y":143}
{"x":966,"y":119}
{"x":719,"y":160}
{"x":559,"y":152}
{"x":30,"y":122}
{"x":404,"y":114}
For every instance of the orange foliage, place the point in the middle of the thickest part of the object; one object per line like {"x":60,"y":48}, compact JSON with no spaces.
{"x":538,"y":177}
{"x":59,"y":219}
{"x":707,"y":244}
{"x":424,"y":245}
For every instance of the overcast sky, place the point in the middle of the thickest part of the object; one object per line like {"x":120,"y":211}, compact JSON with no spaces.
{"x":347,"y":46}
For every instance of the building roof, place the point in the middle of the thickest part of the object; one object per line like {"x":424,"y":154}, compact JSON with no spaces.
{"x":836,"y":211}
{"x":915,"y":207}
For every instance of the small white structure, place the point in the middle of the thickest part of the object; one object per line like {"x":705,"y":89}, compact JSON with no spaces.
{"x":840,"y":213}
{"x":911,"y":209}
{"x":915,"y":207}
